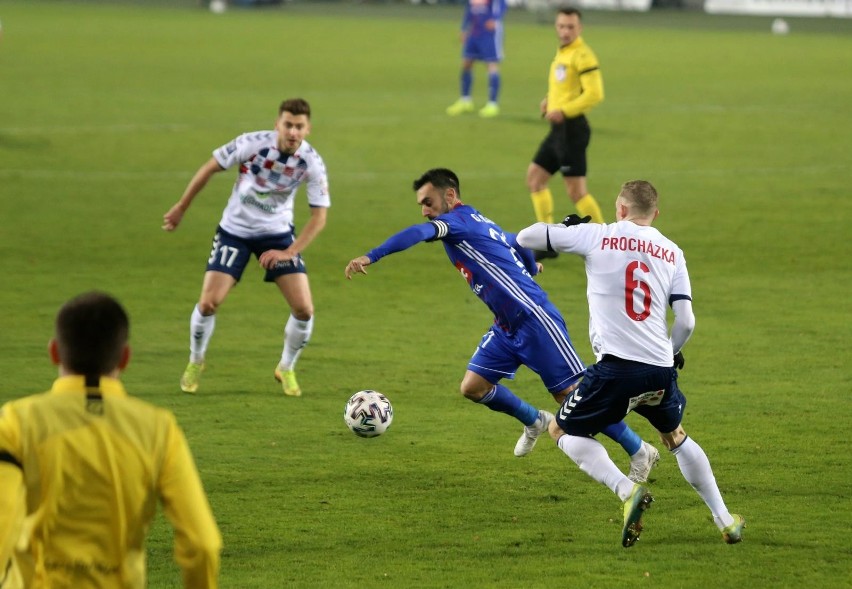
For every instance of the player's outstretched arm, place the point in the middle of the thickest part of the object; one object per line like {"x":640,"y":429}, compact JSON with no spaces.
{"x":535,"y":237}
{"x":174,"y":215}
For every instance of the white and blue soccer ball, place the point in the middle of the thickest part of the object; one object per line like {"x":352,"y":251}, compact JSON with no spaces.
{"x":368,"y":413}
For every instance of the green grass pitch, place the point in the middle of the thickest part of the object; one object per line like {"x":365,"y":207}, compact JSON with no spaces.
{"x":107,"y":110}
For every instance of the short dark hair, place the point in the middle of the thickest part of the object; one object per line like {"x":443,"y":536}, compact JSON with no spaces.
{"x":439,"y":178}
{"x":91,"y":332}
{"x":569,"y":10}
{"x":295,"y":106}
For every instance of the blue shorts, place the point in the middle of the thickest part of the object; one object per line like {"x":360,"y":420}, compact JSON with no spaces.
{"x":487,"y":46}
{"x":541,"y":344}
{"x":612,"y":388}
{"x":231,"y":254}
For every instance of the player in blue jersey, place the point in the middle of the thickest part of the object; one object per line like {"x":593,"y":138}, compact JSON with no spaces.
{"x":482,"y":40}
{"x":528,"y":329}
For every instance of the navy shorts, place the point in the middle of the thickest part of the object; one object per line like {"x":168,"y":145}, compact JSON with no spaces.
{"x":231,"y":254}
{"x":564,"y":148}
{"x":487,"y":46}
{"x":541,"y":343}
{"x":613,"y":387}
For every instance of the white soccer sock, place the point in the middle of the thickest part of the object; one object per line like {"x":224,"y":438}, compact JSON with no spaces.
{"x":200,"y":331}
{"x":697,"y":471}
{"x":297,"y":334}
{"x":592,"y":458}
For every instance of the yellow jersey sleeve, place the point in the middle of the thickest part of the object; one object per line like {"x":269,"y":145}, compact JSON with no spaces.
{"x":12,"y":491}
{"x":197,"y":538}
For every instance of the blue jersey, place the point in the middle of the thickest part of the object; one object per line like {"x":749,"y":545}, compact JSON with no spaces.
{"x":497,"y":269}
{"x":478,"y":12}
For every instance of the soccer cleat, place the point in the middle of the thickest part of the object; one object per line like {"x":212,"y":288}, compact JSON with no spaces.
{"x":489,"y":111}
{"x":287,"y":378}
{"x":543,"y":255}
{"x":532,"y":432}
{"x":734,"y":532}
{"x":642,"y":462}
{"x":191,"y":376}
{"x":460,"y":106}
{"x":640,"y":500}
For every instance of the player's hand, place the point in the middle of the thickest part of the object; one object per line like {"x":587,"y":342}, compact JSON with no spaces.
{"x":490,"y":25}
{"x":356,"y":266}
{"x":573,"y":219}
{"x":270,"y":258}
{"x":679,"y":361}
{"x":539,"y":268}
{"x":172,"y":218}
{"x":555,"y":116}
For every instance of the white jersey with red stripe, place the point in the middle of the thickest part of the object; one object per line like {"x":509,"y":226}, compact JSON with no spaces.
{"x":262,"y":198}
{"x":634,"y":272}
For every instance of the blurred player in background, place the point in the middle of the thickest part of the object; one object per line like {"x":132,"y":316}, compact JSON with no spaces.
{"x":83,"y":465}
{"x":633,"y":273}
{"x":574,"y":86}
{"x":527,"y":330}
{"x":259,"y":220}
{"x":482,"y":40}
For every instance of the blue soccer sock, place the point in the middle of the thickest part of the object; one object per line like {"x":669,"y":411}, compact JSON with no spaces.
{"x":626,"y":437}
{"x":466,"y":83}
{"x":503,"y":400}
{"x":493,"y":86}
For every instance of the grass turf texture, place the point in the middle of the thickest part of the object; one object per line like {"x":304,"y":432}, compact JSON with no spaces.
{"x":107,"y":110}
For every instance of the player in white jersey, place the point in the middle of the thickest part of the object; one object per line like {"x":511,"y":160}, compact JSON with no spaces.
{"x":633,"y":272}
{"x":258,"y":219}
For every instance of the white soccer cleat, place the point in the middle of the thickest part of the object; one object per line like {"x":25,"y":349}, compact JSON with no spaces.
{"x":531,"y":433}
{"x":642,"y":462}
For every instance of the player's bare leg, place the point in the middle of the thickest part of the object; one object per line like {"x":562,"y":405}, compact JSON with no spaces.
{"x":297,"y":332}
{"x":214,"y":289}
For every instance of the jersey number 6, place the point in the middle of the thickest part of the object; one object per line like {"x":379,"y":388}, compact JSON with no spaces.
{"x":631,"y":284}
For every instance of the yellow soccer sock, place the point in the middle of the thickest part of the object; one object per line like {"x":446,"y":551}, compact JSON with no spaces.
{"x":589,"y":206}
{"x":543,"y":205}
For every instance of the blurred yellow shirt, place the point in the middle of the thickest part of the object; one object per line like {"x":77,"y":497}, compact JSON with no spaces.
{"x":81,"y":471}
{"x":575,"y":84}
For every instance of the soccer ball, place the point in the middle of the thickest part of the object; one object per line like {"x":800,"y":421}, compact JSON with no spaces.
{"x":368,"y":413}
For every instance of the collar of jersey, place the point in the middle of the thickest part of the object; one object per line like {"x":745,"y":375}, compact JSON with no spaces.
{"x":77,"y":384}
{"x":573,"y":44}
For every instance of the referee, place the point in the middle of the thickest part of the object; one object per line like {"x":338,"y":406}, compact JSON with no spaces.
{"x":574,"y":87}
{"x":83,"y":465}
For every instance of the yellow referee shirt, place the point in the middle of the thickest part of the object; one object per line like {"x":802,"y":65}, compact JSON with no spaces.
{"x":575,"y":84}
{"x":92,"y":464}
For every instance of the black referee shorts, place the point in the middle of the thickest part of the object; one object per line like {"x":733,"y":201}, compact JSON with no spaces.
{"x":564,"y":148}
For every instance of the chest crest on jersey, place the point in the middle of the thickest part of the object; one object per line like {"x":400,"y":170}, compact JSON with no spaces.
{"x":466,"y":274}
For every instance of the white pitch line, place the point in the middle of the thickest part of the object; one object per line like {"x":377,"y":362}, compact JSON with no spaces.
{"x":369,"y":176}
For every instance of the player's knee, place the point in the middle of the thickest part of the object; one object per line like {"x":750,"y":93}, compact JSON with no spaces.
{"x":469,"y":392}
{"x":536,"y":182}
{"x":473,"y":390}
{"x":303,"y":313}
{"x":555,"y":431}
{"x":673,"y":439}
{"x":208,"y":307}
